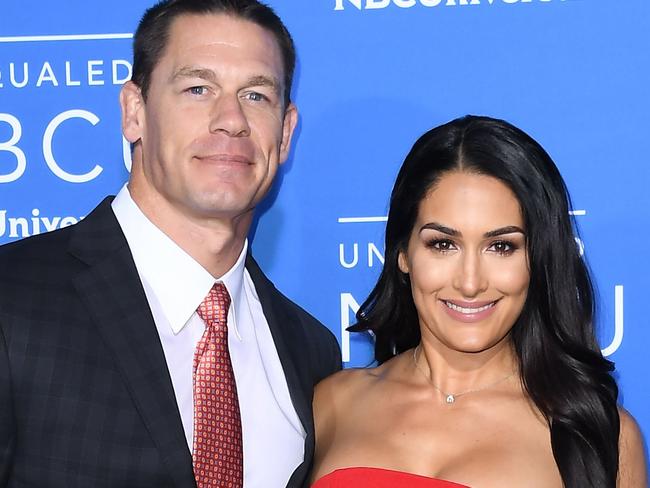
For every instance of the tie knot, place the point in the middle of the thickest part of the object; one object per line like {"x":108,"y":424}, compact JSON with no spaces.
{"x":214,"y":307}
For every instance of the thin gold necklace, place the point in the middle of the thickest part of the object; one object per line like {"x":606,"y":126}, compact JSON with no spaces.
{"x":450,"y":398}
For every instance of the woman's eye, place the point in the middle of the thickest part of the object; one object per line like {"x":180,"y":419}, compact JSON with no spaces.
{"x":442,"y":245}
{"x":503,"y":247}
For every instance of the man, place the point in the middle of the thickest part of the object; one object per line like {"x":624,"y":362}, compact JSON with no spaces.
{"x":144,"y":347}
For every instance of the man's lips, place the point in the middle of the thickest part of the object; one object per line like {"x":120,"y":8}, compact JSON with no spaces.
{"x":225,"y":158}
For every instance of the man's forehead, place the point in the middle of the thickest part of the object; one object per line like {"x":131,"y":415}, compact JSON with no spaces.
{"x":221,"y":29}
{"x":213,"y":35}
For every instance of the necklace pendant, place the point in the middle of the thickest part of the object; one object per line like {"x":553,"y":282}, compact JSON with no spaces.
{"x":450,"y":399}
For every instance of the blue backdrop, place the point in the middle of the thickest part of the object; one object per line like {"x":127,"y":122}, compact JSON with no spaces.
{"x":372,"y":76}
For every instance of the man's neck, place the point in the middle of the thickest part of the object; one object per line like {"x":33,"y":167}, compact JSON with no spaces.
{"x":215,"y":243}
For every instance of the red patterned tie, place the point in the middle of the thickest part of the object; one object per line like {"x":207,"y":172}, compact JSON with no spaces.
{"x":217,"y":453}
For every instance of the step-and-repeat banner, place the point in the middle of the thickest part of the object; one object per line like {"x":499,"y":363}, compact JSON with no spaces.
{"x":372,"y":76}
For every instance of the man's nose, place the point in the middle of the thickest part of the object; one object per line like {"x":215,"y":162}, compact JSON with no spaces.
{"x":228,"y":117}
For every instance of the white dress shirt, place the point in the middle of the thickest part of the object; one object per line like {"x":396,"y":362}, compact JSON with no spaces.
{"x":175,"y":284}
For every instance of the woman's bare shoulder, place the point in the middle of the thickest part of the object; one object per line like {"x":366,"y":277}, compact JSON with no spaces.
{"x":334,"y":398}
{"x":342,"y":384}
{"x":632,"y":470}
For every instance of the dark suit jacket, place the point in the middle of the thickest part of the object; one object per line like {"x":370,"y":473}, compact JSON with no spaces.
{"x":86,"y":399}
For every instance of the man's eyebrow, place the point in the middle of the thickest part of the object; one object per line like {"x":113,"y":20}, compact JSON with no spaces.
{"x":194,"y":72}
{"x":209,"y":75}
{"x":263,"y":80}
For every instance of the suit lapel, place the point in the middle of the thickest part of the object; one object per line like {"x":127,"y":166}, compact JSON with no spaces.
{"x":288,"y":342}
{"x":285,"y":342}
{"x":111,"y":289}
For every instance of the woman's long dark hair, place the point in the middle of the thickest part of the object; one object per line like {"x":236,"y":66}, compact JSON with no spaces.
{"x":562,"y":368}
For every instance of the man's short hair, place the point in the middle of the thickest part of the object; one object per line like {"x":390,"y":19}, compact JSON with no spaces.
{"x":152,"y":34}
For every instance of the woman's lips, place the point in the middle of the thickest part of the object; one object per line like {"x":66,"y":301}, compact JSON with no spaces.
{"x":469,"y":311}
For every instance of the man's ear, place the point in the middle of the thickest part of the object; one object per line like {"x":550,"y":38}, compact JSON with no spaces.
{"x":402,"y":262}
{"x":132,"y":105}
{"x":289,"y":125}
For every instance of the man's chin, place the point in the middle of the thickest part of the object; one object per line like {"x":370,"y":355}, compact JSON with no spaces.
{"x":218,"y":207}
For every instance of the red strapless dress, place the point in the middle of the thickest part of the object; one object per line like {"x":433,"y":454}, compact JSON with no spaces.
{"x":379,"y":478}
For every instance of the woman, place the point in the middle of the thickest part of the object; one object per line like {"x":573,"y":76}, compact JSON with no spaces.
{"x":489,"y":373}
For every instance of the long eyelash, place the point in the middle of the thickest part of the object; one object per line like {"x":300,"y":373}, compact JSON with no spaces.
{"x":431,"y":243}
{"x":511,"y":245}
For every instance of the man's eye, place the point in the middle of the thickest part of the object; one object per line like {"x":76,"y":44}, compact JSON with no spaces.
{"x":197,"y":90}
{"x":255,"y":97}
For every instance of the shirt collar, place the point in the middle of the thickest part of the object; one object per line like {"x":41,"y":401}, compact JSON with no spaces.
{"x":178,"y":281}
